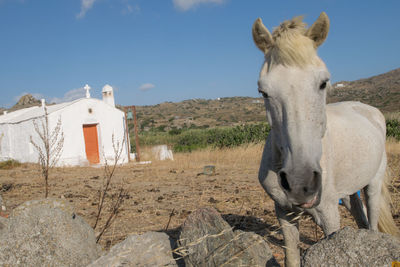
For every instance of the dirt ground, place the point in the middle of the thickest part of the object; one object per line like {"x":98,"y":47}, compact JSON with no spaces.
{"x":163,"y":193}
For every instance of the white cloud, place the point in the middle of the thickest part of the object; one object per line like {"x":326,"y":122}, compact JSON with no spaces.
{"x":146,"y":86}
{"x":70,"y":96}
{"x":85,"y":6}
{"x":129,"y":9}
{"x":185,"y":5}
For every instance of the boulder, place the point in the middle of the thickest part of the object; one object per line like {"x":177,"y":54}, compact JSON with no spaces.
{"x":3,"y":223}
{"x":2,"y":204}
{"x":353,"y":247}
{"x":3,"y":220}
{"x":47,"y":233}
{"x":207,"y":240}
{"x":146,"y":250}
{"x":161,"y":152}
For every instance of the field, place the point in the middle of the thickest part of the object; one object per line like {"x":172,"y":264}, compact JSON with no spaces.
{"x":166,"y":191}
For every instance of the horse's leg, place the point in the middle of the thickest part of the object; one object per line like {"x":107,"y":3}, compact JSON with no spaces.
{"x":329,"y":217}
{"x":356,"y":207}
{"x":373,"y":196}
{"x":290,"y":230}
{"x":358,"y":211}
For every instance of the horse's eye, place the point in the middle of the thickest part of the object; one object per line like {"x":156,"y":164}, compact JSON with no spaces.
{"x":323,"y":85}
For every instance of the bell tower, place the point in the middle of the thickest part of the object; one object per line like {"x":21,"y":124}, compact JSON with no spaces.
{"x":108,"y":95}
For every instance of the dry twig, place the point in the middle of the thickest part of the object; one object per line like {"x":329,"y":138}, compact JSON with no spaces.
{"x":49,"y":146}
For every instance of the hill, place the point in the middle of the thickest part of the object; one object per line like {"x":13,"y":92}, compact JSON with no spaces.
{"x":25,"y":101}
{"x":381,"y":91}
{"x":203,"y":113}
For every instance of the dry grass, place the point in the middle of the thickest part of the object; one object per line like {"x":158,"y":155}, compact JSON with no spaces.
{"x":392,"y":115}
{"x":166,"y":192}
{"x":393,"y":170}
{"x":392,"y":147}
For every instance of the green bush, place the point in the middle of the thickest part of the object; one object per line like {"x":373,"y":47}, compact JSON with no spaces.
{"x":221,"y":137}
{"x":198,"y":137}
{"x":9,"y":164}
{"x":393,"y":128}
{"x":175,"y":131}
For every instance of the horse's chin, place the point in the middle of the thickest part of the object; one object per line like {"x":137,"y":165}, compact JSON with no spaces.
{"x":312,"y":203}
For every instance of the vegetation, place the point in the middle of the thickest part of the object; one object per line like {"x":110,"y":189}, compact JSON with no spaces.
{"x":107,"y":196}
{"x":198,"y":137}
{"x":189,"y":139}
{"x":9,"y":164}
{"x":393,"y":128}
{"x":49,"y":146}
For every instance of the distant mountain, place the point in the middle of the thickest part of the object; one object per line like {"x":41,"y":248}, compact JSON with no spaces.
{"x":381,"y":91}
{"x":224,"y":111}
{"x":25,"y":101}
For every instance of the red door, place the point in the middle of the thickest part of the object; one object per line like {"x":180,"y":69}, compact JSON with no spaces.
{"x":91,"y":143}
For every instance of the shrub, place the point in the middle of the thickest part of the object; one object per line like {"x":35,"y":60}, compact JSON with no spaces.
{"x":221,"y":137}
{"x":393,"y":128}
{"x":175,"y":131}
{"x":9,"y":164}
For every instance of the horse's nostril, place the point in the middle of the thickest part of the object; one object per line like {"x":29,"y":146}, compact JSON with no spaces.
{"x":284,"y":181}
{"x":317,"y":179}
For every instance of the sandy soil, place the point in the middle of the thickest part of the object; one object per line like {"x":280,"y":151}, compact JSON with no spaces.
{"x":164,"y":193}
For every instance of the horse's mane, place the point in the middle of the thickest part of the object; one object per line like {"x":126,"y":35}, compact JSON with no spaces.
{"x":291,"y":46}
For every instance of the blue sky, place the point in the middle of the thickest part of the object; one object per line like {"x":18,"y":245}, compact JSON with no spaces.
{"x":153,"y":51}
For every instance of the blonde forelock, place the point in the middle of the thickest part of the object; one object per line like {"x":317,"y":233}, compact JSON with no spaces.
{"x":291,"y":46}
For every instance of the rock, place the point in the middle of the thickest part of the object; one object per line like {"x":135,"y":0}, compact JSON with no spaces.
{"x":3,"y":220}
{"x":149,"y":249}
{"x":3,"y":223}
{"x":161,"y":152}
{"x":26,"y":101}
{"x":353,"y":247}
{"x":47,"y":233}
{"x":259,"y":252}
{"x":2,"y":205}
{"x":207,"y":240}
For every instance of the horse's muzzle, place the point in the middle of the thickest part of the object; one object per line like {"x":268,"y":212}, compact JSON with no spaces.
{"x":303,"y":188}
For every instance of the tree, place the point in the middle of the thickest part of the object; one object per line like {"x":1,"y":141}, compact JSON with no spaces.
{"x":116,"y":198}
{"x":49,"y":145}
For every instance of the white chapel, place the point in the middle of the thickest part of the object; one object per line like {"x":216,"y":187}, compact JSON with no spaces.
{"x":90,"y":126}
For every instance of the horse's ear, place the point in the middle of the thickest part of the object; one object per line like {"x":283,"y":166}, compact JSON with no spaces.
{"x":261,"y":36}
{"x":319,"y":30}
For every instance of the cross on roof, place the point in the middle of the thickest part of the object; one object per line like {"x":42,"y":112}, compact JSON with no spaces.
{"x":87,"y":88}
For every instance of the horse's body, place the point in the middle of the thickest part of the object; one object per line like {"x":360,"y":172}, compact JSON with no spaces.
{"x":316,"y":154}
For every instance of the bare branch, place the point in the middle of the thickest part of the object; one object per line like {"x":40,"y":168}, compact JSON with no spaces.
{"x":106,"y":188}
{"x":49,"y":146}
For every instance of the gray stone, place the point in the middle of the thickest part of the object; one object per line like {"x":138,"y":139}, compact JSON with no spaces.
{"x":146,"y":250}
{"x":47,"y":233}
{"x":207,"y":240}
{"x":2,"y":204}
{"x":353,"y":247}
{"x":3,"y":223}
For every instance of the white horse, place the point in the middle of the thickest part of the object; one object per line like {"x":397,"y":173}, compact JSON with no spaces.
{"x":315,"y":153}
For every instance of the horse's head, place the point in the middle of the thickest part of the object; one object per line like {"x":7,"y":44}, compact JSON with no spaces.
{"x":293,"y":81}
